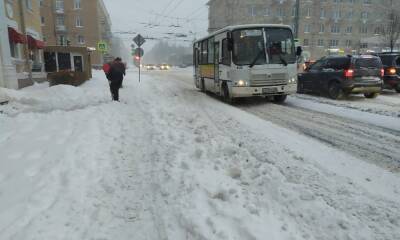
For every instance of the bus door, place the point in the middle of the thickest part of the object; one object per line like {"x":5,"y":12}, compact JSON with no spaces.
{"x":216,"y":67}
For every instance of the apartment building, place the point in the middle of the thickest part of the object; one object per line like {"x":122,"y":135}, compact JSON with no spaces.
{"x":76,"y":23}
{"x":20,"y":43}
{"x":346,"y":26}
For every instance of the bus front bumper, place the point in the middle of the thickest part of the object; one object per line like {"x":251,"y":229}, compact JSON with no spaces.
{"x":238,"y":92}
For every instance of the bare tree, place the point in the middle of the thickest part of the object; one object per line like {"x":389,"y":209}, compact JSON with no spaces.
{"x":390,"y":29}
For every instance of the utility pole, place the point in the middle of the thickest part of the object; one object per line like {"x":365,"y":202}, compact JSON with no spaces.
{"x":26,"y":48}
{"x":297,"y":19}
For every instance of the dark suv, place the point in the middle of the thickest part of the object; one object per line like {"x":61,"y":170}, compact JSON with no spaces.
{"x":339,"y":76}
{"x":391,"y":63}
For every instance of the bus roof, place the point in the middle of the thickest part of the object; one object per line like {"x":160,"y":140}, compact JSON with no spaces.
{"x":245,"y":26}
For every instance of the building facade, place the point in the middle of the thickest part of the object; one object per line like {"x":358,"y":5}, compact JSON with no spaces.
{"x":76,"y":23}
{"x":324,"y":26}
{"x":20,"y":43}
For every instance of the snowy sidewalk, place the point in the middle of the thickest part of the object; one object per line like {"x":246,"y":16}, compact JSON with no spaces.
{"x":173,"y":163}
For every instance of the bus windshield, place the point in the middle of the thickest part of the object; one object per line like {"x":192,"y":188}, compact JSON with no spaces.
{"x":249,"y":47}
{"x":280,"y":46}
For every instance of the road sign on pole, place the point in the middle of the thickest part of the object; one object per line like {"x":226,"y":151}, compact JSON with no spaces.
{"x":102,"y":47}
{"x":139,"y":40}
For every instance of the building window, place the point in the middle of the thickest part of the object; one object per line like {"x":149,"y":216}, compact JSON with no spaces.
{"x":349,"y":29}
{"x":333,"y":43}
{"x":306,"y":43}
{"x":281,"y":12}
{"x":267,"y":12}
{"x":322,"y":28}
{"x":350,"y":14}
{"x":293,"y":12}
{"x":28,"y":4}
{"x":367,"y":1}
{"x":377,"y":31}
{"x":307,"y":28}
{"x":337,"y":14}
{"x":252,"y":11}
{"x":42,"y":20}
{"x":59,"y":5}
{"x":320,"y":42}
{"x":61,"y":40}
{"x":322,"y":13}
{"x":364,"y":45}
{"x":364,"y":29}
{"x":78,"y":21}
{"x":348,"y":43}
{"x":14,"y":49}
{"x":364,"y":15}
{"x":335,"y":28}
{"x":60,"y":20}
{"x":77,"y":4}
{"x":308,"y":12}
{"x":41,"y":4}
{"x":81,"y":39}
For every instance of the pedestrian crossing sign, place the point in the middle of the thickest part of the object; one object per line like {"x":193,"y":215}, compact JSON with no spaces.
{"x":102,"y":47}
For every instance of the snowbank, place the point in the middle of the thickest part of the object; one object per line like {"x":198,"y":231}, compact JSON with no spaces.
{"x":42,"y":98}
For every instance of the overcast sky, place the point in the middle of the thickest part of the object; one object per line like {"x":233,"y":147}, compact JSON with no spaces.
{"x":160,"y":19}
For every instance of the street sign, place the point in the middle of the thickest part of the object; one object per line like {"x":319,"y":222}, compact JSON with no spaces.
{"x":102,"y":47}
{"x":139,"y":40}
{"x":139,"y":52}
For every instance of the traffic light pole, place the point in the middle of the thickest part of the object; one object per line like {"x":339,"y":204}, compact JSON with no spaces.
{"x":140,"y":60}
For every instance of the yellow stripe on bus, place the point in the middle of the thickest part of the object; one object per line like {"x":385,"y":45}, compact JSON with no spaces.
{"x":207,"y":71}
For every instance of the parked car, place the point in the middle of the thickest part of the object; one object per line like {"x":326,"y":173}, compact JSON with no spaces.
{"x":164,"y":66}
{"x":391,"y":64}
{"x":339,"y":76}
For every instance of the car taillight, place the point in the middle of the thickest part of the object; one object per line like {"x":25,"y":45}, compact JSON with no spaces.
{"x":349,"y":73}
{"x":391,"y":71}
{"x":382,"y":72}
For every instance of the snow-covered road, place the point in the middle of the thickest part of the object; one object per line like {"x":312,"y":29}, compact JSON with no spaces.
{"x":173,"y":163}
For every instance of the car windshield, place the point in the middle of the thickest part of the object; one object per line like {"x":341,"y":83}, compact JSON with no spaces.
{"x":280,"y":45}
{"x":248,"y":47}
{"x":368,"y":63}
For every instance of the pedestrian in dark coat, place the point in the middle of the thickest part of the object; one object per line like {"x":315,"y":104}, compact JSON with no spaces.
{"x":116,"y":76}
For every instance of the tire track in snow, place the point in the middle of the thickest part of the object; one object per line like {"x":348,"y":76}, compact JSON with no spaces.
{"x":373,"y":144}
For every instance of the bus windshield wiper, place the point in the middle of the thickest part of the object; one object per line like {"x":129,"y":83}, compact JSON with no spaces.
{"x":283,"y":59}
{"x":256,"y":58}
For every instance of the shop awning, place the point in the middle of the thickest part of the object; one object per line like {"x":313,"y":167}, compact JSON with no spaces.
{"x":15,"y":36}
{"x":35,"y":44}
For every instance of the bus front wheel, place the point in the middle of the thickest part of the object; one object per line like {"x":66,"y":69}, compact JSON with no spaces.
{"x":202,"y":85}
{"x":280,"y":98}
{"x":226,"y":95}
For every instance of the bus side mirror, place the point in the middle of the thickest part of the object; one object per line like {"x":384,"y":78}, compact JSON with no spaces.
{"x":299,"y":51}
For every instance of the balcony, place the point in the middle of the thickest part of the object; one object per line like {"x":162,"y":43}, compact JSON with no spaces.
{"x":59,"y":10}
{"x":61,"y":28}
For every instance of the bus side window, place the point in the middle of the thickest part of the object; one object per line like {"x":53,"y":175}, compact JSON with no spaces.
{"x":226,"y":54}
{"x":204,"y":52}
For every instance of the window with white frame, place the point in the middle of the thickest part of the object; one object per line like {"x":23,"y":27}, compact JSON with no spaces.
{"x":77,"y":4}
{"x":59,"y":4}
{"x":322,"y":13}
{"x":78,"y":21}
{"x":349,"y":29}
{"x":335,"y":28}
{"x":320,"y":43}
{"x":28,"y":4}
{"x":333,"y":43}
{"x":321,"y":28}
{"x":307,"y":28}
{"x":81,"y":39}
{"x":252,"y":11}
{"x":60,"y":20}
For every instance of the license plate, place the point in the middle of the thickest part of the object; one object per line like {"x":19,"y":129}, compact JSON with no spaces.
{"x":269,"y":90}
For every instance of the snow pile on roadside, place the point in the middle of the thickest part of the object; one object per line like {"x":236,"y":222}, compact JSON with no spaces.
{"x":3,"y":96}
{"x":344,"y":109}
{"x":41,"y":98}
{"x":386,"y":104}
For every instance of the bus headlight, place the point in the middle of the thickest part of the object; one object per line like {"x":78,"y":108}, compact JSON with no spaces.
{"x":241,"y":83}
{"x":292,"y":80}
